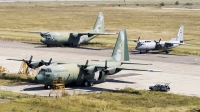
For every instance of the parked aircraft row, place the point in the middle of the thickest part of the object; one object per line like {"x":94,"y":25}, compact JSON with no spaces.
{"x":91,"y":72}
{"x":77,"y":38}
{"x":86,"y":73}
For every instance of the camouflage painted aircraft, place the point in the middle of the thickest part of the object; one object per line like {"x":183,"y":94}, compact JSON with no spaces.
{"x":86,"y":73}
{"x":74,"y":38}
{"x":146,"y":45}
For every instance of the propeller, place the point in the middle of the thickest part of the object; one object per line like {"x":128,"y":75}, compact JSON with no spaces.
{"x":139,"y":39}
{"x":84,"y":69}
{"x":85,"y":66}
{"x":29,"y":62}
{"x":158,"y":45}
{"x":44,"y":34}
{"x":46,"y":63}
{"x":105,"y":68}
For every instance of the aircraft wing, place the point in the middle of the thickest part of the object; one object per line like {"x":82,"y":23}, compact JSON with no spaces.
{"x":173,"y":42}
{"x":125,"y":68}
{"x":128,"y":62}
{"x":134,"y":69}
{"x":21,"y":60}
{"x":95,"y":33}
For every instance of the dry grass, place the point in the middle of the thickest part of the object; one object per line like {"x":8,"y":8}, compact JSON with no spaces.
{"x":126,"y":100}
{"x":146,"y":20}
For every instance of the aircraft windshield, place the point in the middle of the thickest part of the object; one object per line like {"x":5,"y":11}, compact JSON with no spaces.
{"x":48,"y":70}
{"x":42,"y":71}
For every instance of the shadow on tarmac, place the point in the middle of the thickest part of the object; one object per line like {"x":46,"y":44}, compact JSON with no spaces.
{"x":153,"y":52}
{"x":44,"y":46}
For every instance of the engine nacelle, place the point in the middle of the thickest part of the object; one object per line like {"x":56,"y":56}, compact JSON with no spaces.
{"x":74,"y":35}
{"x":101,"y":75}
{"x":89,"y":35}
{"x":90,"y":69}
{"x":110,"y":71}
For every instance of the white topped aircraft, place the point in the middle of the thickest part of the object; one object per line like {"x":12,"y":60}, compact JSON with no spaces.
{"x":147,"y":45}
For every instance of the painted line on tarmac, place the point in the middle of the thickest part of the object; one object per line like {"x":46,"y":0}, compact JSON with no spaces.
{"x":197,"y":59}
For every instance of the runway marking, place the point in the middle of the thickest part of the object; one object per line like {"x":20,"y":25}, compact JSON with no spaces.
{"x":197,"y":59}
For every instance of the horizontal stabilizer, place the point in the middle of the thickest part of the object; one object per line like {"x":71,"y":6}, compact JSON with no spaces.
{"x":173,"y":42}
{"x":149,"y":70}
{"x":39,"y":32}
{"x":90,"y":33}
{"x":95,"y":60}
{"x":128,"y":62}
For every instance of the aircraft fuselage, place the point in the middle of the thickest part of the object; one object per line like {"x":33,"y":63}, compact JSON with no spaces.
{"x":151,"y":45}
{"x":72,"y":73}
{"x":65,"y":38}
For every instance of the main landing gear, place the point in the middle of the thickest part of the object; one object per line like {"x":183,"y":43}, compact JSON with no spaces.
{"x":87,"y":83}
{"x":47,"y":87}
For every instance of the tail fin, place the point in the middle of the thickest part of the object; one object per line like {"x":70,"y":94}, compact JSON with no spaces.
{"x":180,"y":34}
{"x":99,"y":24}
{"x":120,"y":51}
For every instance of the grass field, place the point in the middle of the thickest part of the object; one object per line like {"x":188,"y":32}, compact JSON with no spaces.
{"x":125,"y":100}
{"x":147,"y":20}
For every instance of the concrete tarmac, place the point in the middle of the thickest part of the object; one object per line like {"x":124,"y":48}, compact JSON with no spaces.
{"x":181,"y":71}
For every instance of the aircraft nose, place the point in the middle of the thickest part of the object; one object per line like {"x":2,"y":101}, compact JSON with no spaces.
{"x":139,"y":47}
{"x":43,"y":40}
{"x":39,"y":79}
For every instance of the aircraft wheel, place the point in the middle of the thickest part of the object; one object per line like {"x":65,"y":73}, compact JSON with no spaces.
{"x":140,"y":52}
{"x":90,"y":83}
{"x":48,"y":45}
{"x":47,"y":87}
{"x":167,"y":52}
{"x":85,"y":83}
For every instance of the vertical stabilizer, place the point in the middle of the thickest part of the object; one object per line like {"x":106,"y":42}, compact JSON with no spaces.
{"x":180,"y":34}
{"x":120,"y":51}
{"x":99,"y":24}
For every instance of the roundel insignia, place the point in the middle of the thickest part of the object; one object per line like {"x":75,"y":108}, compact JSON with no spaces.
{"x":55,"y":75}
{"x":120,"y":45}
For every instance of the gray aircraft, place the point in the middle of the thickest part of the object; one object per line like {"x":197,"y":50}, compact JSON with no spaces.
{"x":147,"y":45}
{"x":86,"y":73}
{"x":74,"y":38}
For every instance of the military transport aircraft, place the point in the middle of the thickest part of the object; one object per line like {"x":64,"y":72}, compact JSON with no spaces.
{"x":146,"y":45}
{"x":74,"y":38}
{"x":86,"y":73}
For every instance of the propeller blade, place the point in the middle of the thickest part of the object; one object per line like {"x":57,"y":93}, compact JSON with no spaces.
{"x":43,"y":62}
{"x":106,"y":64}
{"x":50,"y":61}
{"x":86,"y":64}
{"x":30,"y":59}
{"x":159,"y":40}
{"x":139,"y":39}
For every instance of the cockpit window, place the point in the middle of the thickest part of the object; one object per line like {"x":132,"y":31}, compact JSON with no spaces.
{"x":48,"y":70}
{"x":42,"y":72}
